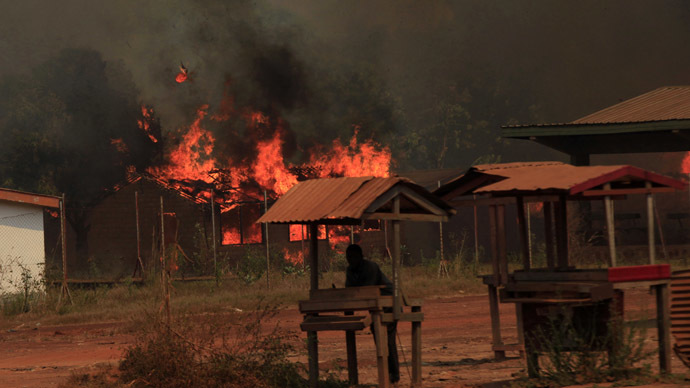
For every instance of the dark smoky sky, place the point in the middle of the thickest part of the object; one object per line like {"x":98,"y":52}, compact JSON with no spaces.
{"x":565,"y":58}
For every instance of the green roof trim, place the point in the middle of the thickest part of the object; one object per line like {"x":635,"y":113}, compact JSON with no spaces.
{"x":592,"y":129}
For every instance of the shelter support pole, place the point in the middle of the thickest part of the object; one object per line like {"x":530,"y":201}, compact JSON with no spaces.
{"x":650,"y":225}
{"x":381,"y":339}
{"x":548,"y":234}
{"x":476,"y":235}
{"x":494,"y":245}
{"x":312,"y":339}
{"x":165,"y":275}
{"x":396,"y":261}
{"x":610,"y":226}
{"x":562,"y":232}
{"x":524,"y":236}
{"x":497,"y":342}
{"x":416,"y":350}
{"x":663,"y":322}
{"x":502,"y":251}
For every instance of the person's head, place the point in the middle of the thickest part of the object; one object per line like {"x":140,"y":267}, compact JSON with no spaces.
{"x":354,"y":255}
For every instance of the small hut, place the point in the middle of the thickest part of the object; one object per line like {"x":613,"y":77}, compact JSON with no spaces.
{"x":560,"y":285}
{"x":350,"y":201}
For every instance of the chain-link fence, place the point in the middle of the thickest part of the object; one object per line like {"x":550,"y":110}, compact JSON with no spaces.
{"x":22,"y":251}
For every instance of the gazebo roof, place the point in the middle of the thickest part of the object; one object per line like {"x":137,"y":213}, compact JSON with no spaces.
{"x":548,"y":178}
{"x":350,"y":200}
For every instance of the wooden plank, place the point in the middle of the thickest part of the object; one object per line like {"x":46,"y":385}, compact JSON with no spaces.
{"x":364,"y":292}
{"x":404,"y":317}
{"x":405,"y":217}
{"x":663,"y":317}
{"x":595,"y":275}
{"x":547,"y":300}
{"x":555,"y":287}
{"x":613,"y":192}
{"x":322,"y":306}
{"x":548,"y":234}
{"x":332,"y":323}
{"x":639,"y":284}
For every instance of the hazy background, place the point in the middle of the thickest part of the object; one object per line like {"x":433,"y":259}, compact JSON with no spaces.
{"x":431,"y":80}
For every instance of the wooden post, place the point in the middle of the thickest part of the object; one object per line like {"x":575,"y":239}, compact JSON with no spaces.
{"x":494,"y":245}
{"x":213,"y":236}
{"x":562,"y":232}
{"x":396,"y":260}
{"x":610,"y":226}
{"x":314,"y":256}
{"x":499,"y":355}
{"x":440,"y":237}
{"x":502,"y":251}
{"x":522,"y":227}
{"x":351,"y":344}
{"x":529,"y":233}
{"x":312,"y":338}
{"x":650,"y":225}
{"x":663,"y":322}
{"x":381,"y":337}
{"x":268,"y":257}
{"x":548,"y":235}
{"x":64,"y":289}
{"x":416,"y":350}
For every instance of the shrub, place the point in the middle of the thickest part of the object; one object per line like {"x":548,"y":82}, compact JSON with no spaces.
{"x":217,"y":350}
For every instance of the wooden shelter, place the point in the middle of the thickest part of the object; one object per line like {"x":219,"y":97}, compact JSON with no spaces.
{"x":560,"y":284}
{"x":349,"y":201}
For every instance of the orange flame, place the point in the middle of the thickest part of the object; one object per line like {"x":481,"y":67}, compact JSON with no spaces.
{"x":685,"y":164}
{"x":120,"y":145}
{"x":355,"y":159}
{"x":192,"y":158}
{"x":144,"y":122}
{"x":294,"y":258}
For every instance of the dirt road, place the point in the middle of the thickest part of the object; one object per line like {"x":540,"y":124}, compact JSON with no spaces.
{"x":456,"y":349}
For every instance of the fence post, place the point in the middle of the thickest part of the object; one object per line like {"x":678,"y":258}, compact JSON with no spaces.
{"x":64,"y":289}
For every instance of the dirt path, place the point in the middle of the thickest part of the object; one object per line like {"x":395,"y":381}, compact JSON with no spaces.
{"x":456,"y":348}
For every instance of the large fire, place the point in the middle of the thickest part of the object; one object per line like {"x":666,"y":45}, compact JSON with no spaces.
{"x":265,"y":175}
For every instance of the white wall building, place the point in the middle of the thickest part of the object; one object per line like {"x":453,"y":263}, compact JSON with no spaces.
{"x":22,"y":249}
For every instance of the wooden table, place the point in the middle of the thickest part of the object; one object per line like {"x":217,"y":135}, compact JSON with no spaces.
{"x":369,"y":304}
{"x":575,"y":287}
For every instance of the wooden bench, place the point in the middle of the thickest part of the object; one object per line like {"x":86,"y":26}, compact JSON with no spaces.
{"x":362,"y":299}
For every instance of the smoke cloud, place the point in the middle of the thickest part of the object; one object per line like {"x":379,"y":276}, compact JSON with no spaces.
{"x":324,"y":66}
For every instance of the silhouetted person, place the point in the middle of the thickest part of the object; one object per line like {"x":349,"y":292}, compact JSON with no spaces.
{"x":362,"y":272}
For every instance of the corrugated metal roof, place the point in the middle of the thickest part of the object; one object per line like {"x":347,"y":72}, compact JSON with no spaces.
{"x":548,"y":176}
{"x":429,"y":178}
{"x":337,"y":199}
{"x":557,"y":176}
{"x":668,"y":103}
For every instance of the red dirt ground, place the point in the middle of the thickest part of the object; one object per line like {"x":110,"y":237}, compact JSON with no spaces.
{"x":456,"y":350}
